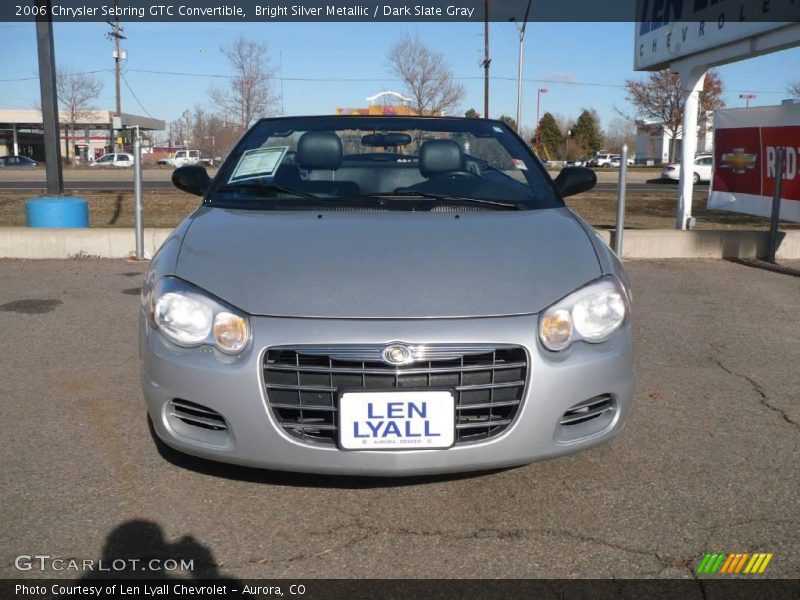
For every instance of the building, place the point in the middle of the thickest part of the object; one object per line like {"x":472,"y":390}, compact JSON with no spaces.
{"x":21,"y":133}
{"x":654,"y":142}
{"x":384,"y":103}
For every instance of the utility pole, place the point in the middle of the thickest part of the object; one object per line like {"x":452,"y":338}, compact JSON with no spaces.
{"x":119,"y":54}
{"x":486,"y":60}
{"x":521,"y":30}
{"x":47,"y":86}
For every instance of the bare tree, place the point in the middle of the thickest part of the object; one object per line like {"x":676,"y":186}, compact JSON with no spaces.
{"x":660,"y":98}
{"x":249,"y":94}
{"x":76,"y":94}
{"x":794,"y":89}
{"x":428,"y":79}
{"x":620,"y":131}
{"x":210,"y":133}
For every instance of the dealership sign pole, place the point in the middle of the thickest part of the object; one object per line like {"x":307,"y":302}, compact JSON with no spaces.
{"x":776,"y":205}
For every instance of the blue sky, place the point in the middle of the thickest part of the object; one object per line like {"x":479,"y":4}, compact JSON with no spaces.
{"x":582,"y":53}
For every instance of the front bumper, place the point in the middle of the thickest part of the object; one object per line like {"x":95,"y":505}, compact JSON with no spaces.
{"x":234,"y":388}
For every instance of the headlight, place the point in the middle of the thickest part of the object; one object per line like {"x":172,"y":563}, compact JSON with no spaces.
{"x":590,"y":314}
{"x":189,"y":316}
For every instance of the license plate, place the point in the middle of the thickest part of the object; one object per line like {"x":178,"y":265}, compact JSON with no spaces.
{"x":398,"y":420}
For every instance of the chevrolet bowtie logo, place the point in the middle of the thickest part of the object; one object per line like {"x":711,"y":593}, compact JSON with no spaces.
{"x":738,"y":160}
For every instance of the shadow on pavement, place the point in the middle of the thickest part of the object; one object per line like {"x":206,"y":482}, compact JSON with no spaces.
{"x":137,"y":549}
{"x":269,"y":477}
{"x":756,"y":263}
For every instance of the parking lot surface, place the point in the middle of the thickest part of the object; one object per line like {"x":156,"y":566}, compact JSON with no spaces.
{"x":708,"y":460}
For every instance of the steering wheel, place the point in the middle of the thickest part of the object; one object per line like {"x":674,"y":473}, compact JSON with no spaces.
{"x":458,"y":173}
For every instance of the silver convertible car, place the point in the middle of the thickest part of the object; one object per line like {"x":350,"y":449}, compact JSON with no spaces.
{"x":384,"y":296}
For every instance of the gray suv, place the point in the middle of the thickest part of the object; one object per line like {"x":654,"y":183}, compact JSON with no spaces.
{"x":384,"y":296}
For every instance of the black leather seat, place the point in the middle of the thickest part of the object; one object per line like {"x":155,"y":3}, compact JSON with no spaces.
{"x":319,"y":153}
{"x":439,"y":157}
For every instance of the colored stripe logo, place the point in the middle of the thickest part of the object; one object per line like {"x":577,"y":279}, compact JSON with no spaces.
{"x":734,"y":564}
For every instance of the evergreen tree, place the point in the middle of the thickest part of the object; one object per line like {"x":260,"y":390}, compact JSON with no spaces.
{"x":509,"y":121}
{"x":549,"y":135}
{"x":472,"y":114}
{"x":587,"y":131}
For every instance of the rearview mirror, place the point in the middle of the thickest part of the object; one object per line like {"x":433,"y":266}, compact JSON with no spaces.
{"x":386,"y":140}
{"x":574,"y":180}
{"x":192,"y":179}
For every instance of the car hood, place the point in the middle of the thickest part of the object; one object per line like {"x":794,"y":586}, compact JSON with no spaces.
{"x":353,"y":264}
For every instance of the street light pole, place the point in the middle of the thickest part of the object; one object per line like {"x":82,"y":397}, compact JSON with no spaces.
{"x":539,"y":93}
{"x":521,"y":31}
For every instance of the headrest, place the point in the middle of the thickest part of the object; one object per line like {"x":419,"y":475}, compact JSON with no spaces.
{"x":440,"y":156}
{"x":319,"y":150}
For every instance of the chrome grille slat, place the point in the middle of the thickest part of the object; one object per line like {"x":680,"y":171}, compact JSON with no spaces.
{"x":328,"y":389}
{"x":492,"y":423}
{"x":196,"y":415}
{"x":585,"y":416}
{"x":356,"y":371}
{"x":304,"y":426}
{"x":309,"y":407}
{"x":588,"y":410}
{"x":303,"y":384}
{"x":180,"y":405}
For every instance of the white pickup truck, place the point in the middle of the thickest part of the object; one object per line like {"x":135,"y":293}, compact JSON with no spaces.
{"x":186,"y":157}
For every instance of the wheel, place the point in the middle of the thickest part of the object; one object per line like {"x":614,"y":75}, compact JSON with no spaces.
{"x":697,"y":178}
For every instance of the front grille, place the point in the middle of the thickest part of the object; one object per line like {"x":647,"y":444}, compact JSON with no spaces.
{"x":196,"y":415}
{"x":303,"y":384}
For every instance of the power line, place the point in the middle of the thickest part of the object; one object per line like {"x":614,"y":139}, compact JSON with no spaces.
{"x":135,"y":97}
{"x":36,"y":77}
{"x":377,"y":79}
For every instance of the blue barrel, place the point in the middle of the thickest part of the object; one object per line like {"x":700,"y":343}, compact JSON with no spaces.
{"x":59,"y":212}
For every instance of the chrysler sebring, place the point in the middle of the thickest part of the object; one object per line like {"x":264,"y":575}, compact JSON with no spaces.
{"x":384,"y":296}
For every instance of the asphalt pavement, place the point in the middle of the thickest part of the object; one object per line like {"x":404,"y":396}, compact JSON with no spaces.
{"x":708,"y":460}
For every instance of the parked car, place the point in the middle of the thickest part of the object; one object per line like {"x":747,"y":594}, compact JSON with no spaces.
{"x":186,"y":157}
{"x":118,"y":159}
{"x":423,"y":309}
{"x":16,"y":161}
{"x":576,"y":163}
{"x":604,"y":160}
{"x":616,"y":162}
{"x":703,"y":166}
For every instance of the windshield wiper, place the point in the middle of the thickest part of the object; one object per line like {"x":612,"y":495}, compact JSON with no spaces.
{"x":448,"y":198}
{"x":264,"y":187}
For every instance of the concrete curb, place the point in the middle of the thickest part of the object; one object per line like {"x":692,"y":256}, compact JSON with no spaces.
{"x":24,"y":242}
{"x":670,"y":243}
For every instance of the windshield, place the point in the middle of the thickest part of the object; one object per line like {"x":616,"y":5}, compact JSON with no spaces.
{"x":399,"y":163}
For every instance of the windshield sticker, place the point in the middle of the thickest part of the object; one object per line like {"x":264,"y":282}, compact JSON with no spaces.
{"x":258,"y":162}
{"x":497,"y":128}
{"x":519,"y":164}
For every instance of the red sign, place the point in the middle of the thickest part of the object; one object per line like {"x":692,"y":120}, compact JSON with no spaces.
{"x":745,"y":160}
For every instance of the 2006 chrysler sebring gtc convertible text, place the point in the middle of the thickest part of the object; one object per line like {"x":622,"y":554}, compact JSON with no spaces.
{"x":384,"y":296}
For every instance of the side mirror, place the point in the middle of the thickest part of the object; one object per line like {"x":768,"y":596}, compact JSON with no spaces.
{"x":574,"y":180}
{"x":192,"y":179}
